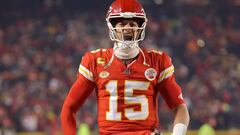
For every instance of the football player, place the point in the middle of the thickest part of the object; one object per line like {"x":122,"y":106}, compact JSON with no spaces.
{"x":127,"y":80}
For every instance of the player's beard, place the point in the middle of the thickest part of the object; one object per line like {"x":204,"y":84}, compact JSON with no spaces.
{"x":125,"y":52}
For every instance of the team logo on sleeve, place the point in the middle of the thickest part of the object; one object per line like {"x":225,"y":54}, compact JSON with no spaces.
{"x":103,"y":74}
{"x":150,"y":74}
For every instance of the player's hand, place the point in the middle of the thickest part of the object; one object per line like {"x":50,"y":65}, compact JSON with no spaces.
{"x":156,"y":132}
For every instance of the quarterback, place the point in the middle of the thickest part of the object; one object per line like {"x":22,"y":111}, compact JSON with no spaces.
{"x":127,"y":80}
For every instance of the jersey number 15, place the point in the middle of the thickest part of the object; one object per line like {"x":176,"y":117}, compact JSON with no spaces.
{"x":129,"y":98}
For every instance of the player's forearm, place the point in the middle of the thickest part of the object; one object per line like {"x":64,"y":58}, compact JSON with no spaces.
{"x":68,"y":121}
{"x":74,"y":100}
{"x":181,"y":120}
{"x":181,"y":115}
{"x":68,"y":116}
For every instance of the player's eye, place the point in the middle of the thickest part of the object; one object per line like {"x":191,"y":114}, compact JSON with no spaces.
{"x":120,"y":24}
{"x":133,"y":24}
{"x":127,"y":23}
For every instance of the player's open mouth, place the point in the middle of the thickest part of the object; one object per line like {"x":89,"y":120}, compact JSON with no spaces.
{"x":128,"y":37}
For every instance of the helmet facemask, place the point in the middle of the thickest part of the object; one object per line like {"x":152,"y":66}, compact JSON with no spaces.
{"x":126,"y":20}
{"x":120,"y":35}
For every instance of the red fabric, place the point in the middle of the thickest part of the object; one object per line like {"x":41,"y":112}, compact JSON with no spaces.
{"x":121,"y":92}
{"x":144,"y":132}
{"x":168,"y":88}
{"x":80,"y":90}
{"x":171,"y":92}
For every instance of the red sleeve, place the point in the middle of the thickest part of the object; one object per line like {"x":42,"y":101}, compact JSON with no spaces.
{"x":77,"y":95}
{"x":167,"y":86}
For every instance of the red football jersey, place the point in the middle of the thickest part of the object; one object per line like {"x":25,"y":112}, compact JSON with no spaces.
{"x":127,"y":95}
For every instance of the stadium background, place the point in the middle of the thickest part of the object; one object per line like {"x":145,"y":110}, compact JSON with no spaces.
{"x":42,"y":41}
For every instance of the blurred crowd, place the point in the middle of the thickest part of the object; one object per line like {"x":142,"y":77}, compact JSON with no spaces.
{"x":39,"y":58}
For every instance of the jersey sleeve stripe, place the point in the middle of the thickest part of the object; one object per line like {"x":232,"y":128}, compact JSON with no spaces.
{"x":85,"y":72}
{"x":166,"y":73}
